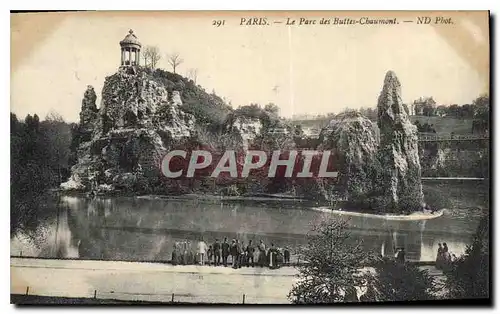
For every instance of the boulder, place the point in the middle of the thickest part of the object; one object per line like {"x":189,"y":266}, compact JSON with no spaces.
{"x":354,"y":140}
{"x":398,"y":153}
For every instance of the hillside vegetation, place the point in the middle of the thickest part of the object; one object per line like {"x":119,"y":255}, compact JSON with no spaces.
{"x":207,"y":108}
{"x":446,"y":125}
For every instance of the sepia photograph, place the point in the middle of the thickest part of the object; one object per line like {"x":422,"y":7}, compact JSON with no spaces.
{"x":250,"y":157}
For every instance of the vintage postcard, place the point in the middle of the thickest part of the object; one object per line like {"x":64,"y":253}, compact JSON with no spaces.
{"x":259,"y":157}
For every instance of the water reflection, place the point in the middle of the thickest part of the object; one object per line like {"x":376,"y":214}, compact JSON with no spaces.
{"x":128,"y":228}
{"x":52,"y":238}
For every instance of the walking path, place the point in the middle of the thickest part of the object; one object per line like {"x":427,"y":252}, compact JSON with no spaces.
{"x":152,"y":281}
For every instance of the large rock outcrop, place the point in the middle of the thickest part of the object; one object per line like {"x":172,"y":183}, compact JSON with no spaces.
{"x":354,"y":140}
{"x":398,"y":152}
{"x":88,"y":113}
{"x":126,"y":138}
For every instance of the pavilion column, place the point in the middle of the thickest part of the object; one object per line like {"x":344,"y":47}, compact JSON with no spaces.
{"x":137,"y":56}
{"x":123,"y":56}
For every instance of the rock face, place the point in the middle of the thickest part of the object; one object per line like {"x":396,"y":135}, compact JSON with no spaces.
{"x":355,"y":141}
{"x":176,"y":98}
{"x":88,"y":113}
{"x":248,"y":128}
{"x":398,"y":152}
{"x":128,"y":136}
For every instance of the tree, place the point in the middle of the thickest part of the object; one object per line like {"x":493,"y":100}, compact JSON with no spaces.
{"x":453,"y":110}
{"x":331,"y":269}
{"x":481,"y":108}
{"x":272,"y":109}
{"x":469,"y":275}
{"x":57,"y":135}
{"x":396,"y":281}
{"x":441,"y":110}
{"x":152,"y":56}
{"x":370,"y":113}
{"x":175,"y":60}
{"x":251,"y":111}
{"x":38,"y":151}
{"x":466,"y":111}
{"x":192,"y":74}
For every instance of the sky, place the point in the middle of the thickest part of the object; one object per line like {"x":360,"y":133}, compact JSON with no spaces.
{"x":308,"y":69}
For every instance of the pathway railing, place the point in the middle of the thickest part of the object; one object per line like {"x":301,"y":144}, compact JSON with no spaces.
{"x":443,"y":138}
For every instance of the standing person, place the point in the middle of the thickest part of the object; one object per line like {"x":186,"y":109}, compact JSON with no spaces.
{"x":250,"y":249}
{"x":445,"y":247}
{"x":190,"y":255}
{"x":210,"y":254}
{"x":256,"y":255}
{"x":446,"y":258}
{"x":202,"y":251}
{"x":286,"y":255}
{"x":401,"y":255}
{"x":217,"y":252}
{"x":262,"y":254}
{"x":242,"y":253}
{"x":184,"y":253}
{"x":279,"y":258}
{"x":234,"y":253}
{"x":439,"y":257}
{"x":225,"y":251}
{"x":272,"y":257}
{"x":174,"y":255}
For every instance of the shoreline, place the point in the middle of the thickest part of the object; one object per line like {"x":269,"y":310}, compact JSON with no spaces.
{"x":415,"y":216}
{"x":392,"y":217}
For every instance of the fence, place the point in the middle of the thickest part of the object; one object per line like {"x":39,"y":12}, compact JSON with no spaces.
{"x":438,"y":138}
{"x":100,"y":296}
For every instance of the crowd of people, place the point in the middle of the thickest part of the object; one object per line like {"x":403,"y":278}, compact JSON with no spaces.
{"x":235,"y":253}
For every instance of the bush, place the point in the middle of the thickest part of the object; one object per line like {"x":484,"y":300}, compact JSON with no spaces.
{"x":331,"y":269}
{"x":396,"y":281}
{"x":469,"y":275}
{"x":435,"y":198}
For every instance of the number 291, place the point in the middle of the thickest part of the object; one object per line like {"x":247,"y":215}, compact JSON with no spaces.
{"x":218,"y":23}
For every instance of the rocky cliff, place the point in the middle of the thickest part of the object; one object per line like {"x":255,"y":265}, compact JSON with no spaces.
{"x":121,"y":144}
{"x":355,"y":141}
{"x":398,"y":152}
{"x":379,"y":167}
{"x":144,"y":114}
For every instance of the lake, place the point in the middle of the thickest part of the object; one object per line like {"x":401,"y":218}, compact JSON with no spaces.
{"x":145,"y":229}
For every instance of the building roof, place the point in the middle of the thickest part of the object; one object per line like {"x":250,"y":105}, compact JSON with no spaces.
{"x":130,"y":40}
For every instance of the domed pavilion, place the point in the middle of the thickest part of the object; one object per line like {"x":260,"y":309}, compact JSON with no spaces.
{"x":131,"y":50}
